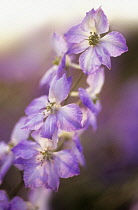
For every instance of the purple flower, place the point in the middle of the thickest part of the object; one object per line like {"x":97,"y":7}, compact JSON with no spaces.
{"x":42,"y":165}
{"x":46,"y":112}
{"x":85,"y":37}
{"x":6,"y":156}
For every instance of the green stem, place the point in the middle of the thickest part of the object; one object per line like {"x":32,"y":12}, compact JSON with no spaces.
{"x":16,"y":189}
{"x":75,"y":66}
{"x":74,"y":86}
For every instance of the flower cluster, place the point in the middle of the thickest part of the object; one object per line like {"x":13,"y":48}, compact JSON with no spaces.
{"x":46,"y":143}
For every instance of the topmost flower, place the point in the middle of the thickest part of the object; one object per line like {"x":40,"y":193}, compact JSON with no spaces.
{"x":97,"y":50}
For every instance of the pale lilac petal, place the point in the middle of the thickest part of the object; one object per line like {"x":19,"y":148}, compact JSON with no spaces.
{"x":78,"y":150}
{"x":49,"y":126}
{"x":5,"y":165}
{"x":114,"y":43}
{"x":59,"y":89}
{"x":4,"y":203}
{"x":86,"y":100}
{"x":51,"y":168}
{"x":18,"y":203}
{"x":69,"y":117}
{"x":92,"y":120}
{"x":61,"y":66}
{"x":89,"y":61}
{"x":36,"y":105}
{"x":34,"y":121}
{"x":88,"y":23}
{"x":101,"y":21}
{"x":44,"y":142}
{"x":96,"y":81}
{"x":48,"y":76}
{"x":19,"y":134}
{"x":76,"y":34}
{"x":103,"y":55}
{"x":40,"y":197}
{"x":78,"y":47}
{"x":34,"y":175}
{"x":59,"y":44}
{"x":67,"y":163}
{"x":25,"y":149}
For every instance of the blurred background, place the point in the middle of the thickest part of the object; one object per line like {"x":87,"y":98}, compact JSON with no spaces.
{"x":110,"y":179}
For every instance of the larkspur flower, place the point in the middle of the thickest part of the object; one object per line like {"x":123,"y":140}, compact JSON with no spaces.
{"x":46,"y":112}
{"x":6,"y":156}
{"x":43,"y":166}
{"x":87,"y":37}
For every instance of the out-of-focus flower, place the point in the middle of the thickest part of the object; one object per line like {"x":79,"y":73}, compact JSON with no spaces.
{"x":4,"y":203}
{"x":6,"y":156}
{"x":85,"y":37}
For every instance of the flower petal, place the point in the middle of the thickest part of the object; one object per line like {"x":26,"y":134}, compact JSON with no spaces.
{"x":89,"y":60}
{"x":88,"y":23}
{"x":4,"y":204}
{"x":101,"y":21}
{"x":78,"y":47}
{"x":103,"y":55}
{"x":76,"y":34}
{"x":114,"y":43}
{"x":59,"y":44}
{"x":40,"y":197}
{"x":50,"y":125}
{"x":96,"y":81}
{"x":69,"y":117}
{"x":59,"y":89}
{"x":44,"y":142}
{"x":36,"y":105}
{"x":48,"y":76}
{"x":51,"y":168}
{"x":6,"y":164}
{"x":19,"y":134}
{"x":34,"y":121}
{"x":78,"y":150}
{"x":35,"y":175}
{"x":25,"y":149}
{"x":62,"y":66}
{"x":86,"y":100}
{"x":67,"y":163}
{"x":18,"y":203}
